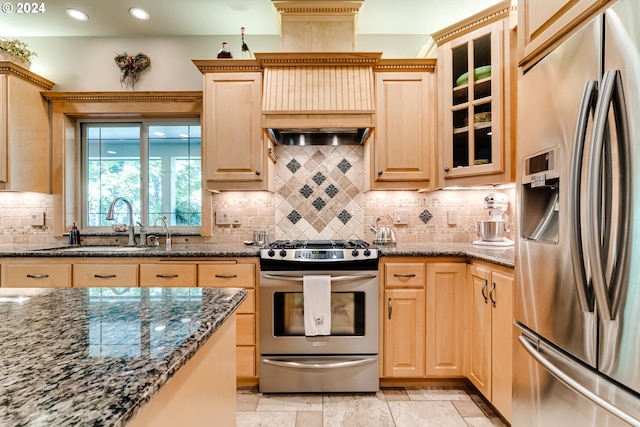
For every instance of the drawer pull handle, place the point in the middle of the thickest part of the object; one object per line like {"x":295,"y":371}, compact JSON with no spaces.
{"x":484,"y":295}
{"x":226,"y":276}
{"x":404,"y":275}
{"x":105,"y":276}
{"x":37,"y":276}
{"x":167,"y":276}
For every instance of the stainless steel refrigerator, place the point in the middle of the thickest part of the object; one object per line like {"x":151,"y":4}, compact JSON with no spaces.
{"x":577,"y":300}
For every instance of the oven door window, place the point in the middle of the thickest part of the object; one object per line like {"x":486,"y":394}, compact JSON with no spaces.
{"x":347,"y":314}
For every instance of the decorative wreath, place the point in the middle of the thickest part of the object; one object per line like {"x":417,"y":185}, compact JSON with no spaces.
{"x":131,"y":67}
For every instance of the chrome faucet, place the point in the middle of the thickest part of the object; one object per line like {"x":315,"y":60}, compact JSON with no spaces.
{"x":132,"y":239}
{"x":167,"y":241}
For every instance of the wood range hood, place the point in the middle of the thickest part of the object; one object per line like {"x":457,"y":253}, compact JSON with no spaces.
{"x":318,"y":90}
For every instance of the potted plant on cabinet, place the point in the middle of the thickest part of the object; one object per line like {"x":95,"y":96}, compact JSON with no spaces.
{"x":16,"y":51}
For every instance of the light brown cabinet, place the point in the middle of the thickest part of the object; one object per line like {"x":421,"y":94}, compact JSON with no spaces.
{"x":446,"y":319}
{"x":105,"y":275}
{"x":476,"y":92}
{"x":38,"y":274}
{"x":230,"y":274}
{"x":403,"y":319}
{"x":25,"y":143}
{"x":401,"y":155}
{"x":234,"y":146}
{"x":168,"y":275}
{"x":423,"y":312}
{"x":491,"y":334}
{"x":543,"y":23}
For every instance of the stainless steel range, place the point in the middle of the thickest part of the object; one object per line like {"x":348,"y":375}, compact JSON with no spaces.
{"x":319,"y":317}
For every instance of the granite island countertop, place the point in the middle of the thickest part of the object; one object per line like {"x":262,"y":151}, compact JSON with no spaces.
{"x":498,"y":255}
{"x":95,"y":356}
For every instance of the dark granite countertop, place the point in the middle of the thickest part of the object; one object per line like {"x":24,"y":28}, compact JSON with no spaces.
{"x":501,"y":256}
{"x":192,"y":250}
{"x":94,"y":357}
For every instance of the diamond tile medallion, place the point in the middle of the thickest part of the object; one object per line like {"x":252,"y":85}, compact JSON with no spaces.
{"x":319,"y":192}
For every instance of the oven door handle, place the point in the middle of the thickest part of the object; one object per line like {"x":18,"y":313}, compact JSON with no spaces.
{"x":286,"y":278}
{"x":331,"y":365}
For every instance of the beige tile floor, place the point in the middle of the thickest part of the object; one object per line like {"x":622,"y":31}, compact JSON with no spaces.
{"x":429,"y":406}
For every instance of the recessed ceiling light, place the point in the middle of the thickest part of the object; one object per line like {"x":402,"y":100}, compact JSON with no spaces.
{"x":77,"y":14}
{"x":142,"y":14}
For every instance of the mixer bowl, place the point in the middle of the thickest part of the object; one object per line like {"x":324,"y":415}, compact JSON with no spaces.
{"x":492,"y":231}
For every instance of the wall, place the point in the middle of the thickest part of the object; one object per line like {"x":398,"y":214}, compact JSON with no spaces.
{"x":86,"y":63}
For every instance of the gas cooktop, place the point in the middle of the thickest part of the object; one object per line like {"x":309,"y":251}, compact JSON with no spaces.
{"x":319,"y":250}
{"x":318,"y":244}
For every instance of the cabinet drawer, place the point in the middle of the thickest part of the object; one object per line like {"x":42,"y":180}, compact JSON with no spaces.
{"x":404,"y":274}
{"x":38,"y":276}
{"x":245,"y":361}
{"x":167,"y":275}
{"x":226,"y":275}
{"x":105,"y":275}
{"x":246,"y":329}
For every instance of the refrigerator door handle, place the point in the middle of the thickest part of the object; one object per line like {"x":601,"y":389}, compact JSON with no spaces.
{"x":545,"y":356}
{"x":578,"y":261}
{"x":611,"y":95}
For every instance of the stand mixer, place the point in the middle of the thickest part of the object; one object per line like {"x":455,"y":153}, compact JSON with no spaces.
{"x":493,"y":232}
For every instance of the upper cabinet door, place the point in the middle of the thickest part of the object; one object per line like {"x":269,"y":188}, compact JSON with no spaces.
{"x":474,"y":100}
{"x":403,"y":147}
{"x":25,"y":141}
{"x":476,"y":91}
{"x":542,"y":23}
{"x":234,"y":150}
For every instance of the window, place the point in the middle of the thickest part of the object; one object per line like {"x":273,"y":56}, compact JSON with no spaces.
{"x":154,"y":164}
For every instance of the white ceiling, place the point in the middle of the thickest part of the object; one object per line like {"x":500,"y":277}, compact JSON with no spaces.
{"x":222,"y":17}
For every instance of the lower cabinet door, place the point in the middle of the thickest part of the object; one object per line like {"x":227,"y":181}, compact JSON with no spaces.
{"x":446,"y":319}
{"x":404,"y":333}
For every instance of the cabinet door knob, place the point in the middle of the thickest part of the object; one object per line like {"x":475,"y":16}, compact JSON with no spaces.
{"x":379,"y":172}
{"x":446,"y":169}
{"x":257,"y":172}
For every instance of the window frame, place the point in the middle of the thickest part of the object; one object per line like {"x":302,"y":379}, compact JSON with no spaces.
{"x":143,"y":124}
{"x":66,"y":108}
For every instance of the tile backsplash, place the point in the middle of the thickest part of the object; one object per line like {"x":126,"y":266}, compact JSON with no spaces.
{"x":319,"y":195}
{"x":319,"y":192}
{"x":15,"y":218}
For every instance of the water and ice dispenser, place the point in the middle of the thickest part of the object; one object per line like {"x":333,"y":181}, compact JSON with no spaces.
{"x":540,"y":192}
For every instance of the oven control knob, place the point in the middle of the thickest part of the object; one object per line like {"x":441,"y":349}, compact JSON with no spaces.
{"x":271,"y":252}
{"x":283,"y":253}
{"x":355,"y":252}
{"x":367,"y":252}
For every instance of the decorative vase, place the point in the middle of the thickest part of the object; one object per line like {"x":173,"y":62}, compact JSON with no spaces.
{"x":7,"y":56}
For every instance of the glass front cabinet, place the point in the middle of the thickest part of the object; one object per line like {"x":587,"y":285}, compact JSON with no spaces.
{"x":476,"y":76}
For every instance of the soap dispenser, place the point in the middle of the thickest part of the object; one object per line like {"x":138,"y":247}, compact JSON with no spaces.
{"x":74,"y":235}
